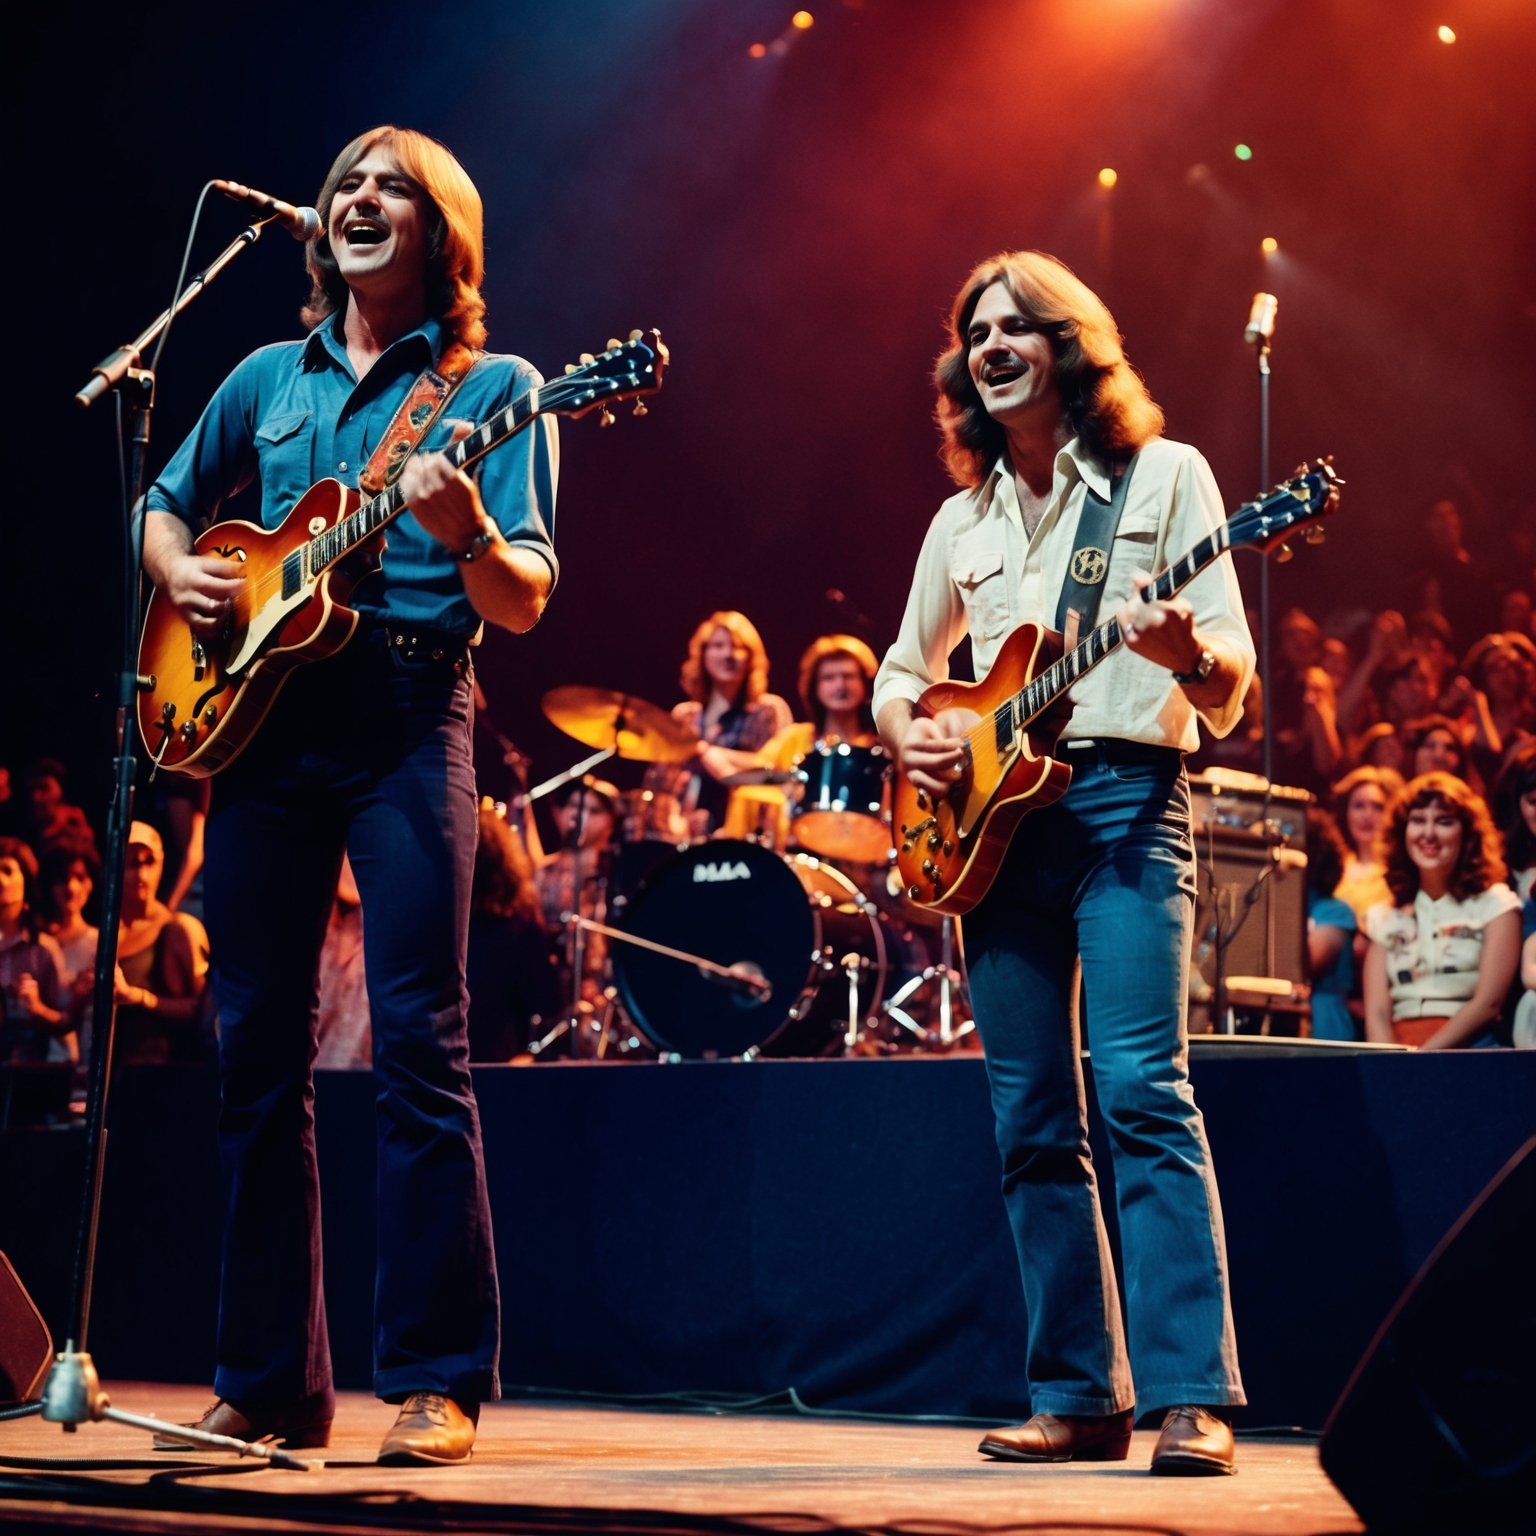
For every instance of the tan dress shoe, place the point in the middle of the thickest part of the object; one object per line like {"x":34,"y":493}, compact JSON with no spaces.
{"x":1194,"y":1443}
{"x":1063,"y":1437}
{"x":432,"y":1431}
{"x":296,"y":1427}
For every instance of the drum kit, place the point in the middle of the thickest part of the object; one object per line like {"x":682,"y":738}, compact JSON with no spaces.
{"x":785,"y":934}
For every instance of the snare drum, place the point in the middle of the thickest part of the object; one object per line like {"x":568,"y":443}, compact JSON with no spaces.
{"x":794,"y":920}
{"x":844,"y":810}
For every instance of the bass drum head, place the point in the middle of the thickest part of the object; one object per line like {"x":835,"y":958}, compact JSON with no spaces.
{"x":724,"y":901}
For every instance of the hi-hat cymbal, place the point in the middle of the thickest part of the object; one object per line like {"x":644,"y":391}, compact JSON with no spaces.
{"x":602,"y":717}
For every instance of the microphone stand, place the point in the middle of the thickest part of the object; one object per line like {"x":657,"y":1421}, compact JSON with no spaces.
{"x":72,"y":1394}
{"x":1262,"y":344}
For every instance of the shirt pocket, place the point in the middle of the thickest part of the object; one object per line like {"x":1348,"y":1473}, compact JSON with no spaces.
{"x":283,"y":453}
{"x":983,"y":586}
{"x":1133,"y":548}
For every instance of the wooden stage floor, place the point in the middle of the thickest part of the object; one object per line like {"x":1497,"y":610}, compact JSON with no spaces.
{"x":544,"y":1467}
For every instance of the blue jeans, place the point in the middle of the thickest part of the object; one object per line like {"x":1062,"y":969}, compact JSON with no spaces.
{"x":1107,"y":873}
{"x":371,"y":753}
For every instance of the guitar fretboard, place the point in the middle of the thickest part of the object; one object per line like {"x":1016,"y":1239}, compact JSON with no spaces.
{"x":1043,"y":691}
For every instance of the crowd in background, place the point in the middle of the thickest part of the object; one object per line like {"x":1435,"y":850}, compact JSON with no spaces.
{"x":1415,"y":730}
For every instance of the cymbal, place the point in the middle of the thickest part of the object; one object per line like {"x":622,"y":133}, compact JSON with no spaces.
{"x":601,"y":717}
{"x":760,"y":776}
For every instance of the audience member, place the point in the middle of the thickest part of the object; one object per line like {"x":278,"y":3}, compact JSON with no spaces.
{"x":343,"y":1027}
{"x":1360,"y":801}
{"x":575,"y":877}
{"x":1381,"y":747}
{"x":51,"y":822}
{"x":1515,"y":613}
{"x":1503,"y":669}
{"x":11,"y":824}
{"x":1523,"y":1033}
{"x":178,"y":810}
{"x":66,"y":880}
{"x":1434,"y":745}
{"x":1447,"y":579}
{"x":513,"y":987}
{"x":1444,"y":950}
{"x":162,"y":965}
{"x":35,"y":1025}
{"x":1514,"y":810}
{"x":1331,"y":928}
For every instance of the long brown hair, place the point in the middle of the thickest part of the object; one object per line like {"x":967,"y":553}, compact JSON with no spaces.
{"x":823,"y":649}
{"x":1479,"y":864}
{"x":1105,"y":398}
{"x":455,"y":233}
{"x":696,"y":681}
{"x":504,"y":884}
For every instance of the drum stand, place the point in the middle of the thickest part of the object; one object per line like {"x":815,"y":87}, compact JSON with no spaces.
{"x":950,"y":980}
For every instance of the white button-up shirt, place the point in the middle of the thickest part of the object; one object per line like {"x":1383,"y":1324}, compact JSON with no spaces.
{"x":980,"y":572}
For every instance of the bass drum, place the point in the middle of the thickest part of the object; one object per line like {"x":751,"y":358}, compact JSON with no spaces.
{"x":793,"y":919}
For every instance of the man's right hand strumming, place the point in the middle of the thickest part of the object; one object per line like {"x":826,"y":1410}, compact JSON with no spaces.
{"x":200,"y":587}
{"x":930,"y":752}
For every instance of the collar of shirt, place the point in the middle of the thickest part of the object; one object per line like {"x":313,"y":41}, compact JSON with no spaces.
{"x":424,"y":343}
{"x":1073,"y":464}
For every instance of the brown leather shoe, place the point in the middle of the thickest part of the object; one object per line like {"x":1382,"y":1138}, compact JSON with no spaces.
{"x":1194,"y":1443}
{"x":432,"y":1431}
{"x":1063,"y":1437}
{"x":295,"y":1426}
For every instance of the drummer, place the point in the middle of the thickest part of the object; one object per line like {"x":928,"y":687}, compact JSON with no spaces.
{"x":584,"y":816}
{"x":837,"y":675}
{"x":729,"y":708}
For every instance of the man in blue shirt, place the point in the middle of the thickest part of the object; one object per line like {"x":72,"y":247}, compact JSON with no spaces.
{"x":368,"y":752}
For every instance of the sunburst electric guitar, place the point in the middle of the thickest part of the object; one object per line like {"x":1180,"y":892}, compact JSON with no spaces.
{"x":201,"y":700}
{"x":950,"y":847}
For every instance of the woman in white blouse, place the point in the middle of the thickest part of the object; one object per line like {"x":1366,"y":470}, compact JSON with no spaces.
{"x":1444,"y":949}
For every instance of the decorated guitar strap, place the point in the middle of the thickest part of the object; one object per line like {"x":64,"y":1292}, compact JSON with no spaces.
{"x":1078,"y":607}
{"x":423,"y":406}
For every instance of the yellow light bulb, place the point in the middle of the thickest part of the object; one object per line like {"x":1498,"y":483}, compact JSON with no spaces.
{"x":1269,"y":245}
{"x":1107,"y":177}
{"x":802,"y":19}
{"x":1445,"y":34}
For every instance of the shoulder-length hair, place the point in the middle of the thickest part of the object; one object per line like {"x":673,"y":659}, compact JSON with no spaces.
{"x":504,"y":883}
{"x":695,"y":680}
{"x":15,"y":848}
{"x":823,"y":649}
{"x":1479,"y":863}
{"x":1105,"y":398}
{"x":1388,"y":780}
{"x":455,"y":233}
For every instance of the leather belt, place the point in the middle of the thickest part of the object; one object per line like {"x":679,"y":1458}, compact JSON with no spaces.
{"x":419,"y":645}
{"x":1111,"y":749}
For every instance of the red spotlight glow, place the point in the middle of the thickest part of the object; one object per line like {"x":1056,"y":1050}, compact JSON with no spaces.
{"x":757,"y":50}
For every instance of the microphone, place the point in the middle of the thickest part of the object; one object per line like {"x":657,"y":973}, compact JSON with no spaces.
{"x":1261,"y":319}
{"x":301,"y":223}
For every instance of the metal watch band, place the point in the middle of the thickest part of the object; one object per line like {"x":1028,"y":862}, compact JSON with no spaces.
{"x":478,"y":545}
{"x":1203,"y":669}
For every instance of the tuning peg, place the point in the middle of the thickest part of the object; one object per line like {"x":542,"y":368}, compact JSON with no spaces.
{"x":605,"y":417}
{"x":640,"y":409}
{"x":1284,"y":553}
{"x":1315,"y":533}
{"x":570,"y":367}
{"x":613,"y":341}
{"x":586,"y":357}
{"x":636,"y":335}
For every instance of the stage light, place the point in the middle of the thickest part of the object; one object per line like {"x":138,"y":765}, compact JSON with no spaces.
{"x":1107,"y":177}
{"x":757,"y":50}
{"x":802,"y":19}
{"x":1269,"y":245}
{"x":1445,"y":34}
{"x":1242,"y":152}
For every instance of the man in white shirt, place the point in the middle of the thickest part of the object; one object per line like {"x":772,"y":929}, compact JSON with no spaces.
{"x":1040,"y":411}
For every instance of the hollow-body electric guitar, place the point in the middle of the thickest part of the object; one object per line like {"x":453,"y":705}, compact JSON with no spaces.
{"x":201,"y":700}
{"x":949,"y":847}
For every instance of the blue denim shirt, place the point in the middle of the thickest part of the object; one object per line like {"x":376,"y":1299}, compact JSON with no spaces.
{"x":294,"y":413}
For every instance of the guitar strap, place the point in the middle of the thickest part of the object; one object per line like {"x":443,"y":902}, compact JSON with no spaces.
{"x":1077,"y":608}
{"x":420,"y":411}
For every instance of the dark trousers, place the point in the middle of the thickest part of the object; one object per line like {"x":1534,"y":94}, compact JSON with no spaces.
{"x":370,"y":752}
{"x":1108,"y":874}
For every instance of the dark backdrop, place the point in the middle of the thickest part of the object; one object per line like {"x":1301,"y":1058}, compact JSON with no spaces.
{"x":795,"y":225}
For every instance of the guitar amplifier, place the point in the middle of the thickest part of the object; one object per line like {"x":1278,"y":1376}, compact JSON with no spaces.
{"x":1251,"y":857}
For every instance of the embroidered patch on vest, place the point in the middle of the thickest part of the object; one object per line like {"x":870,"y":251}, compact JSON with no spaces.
{"x":1089,"y":566}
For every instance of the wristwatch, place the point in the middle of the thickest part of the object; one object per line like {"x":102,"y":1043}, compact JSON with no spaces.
{"x":1202,"y":670}
{"x":478,"y":545}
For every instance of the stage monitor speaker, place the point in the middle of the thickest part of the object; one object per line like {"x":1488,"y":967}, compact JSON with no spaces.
{"x":1436,"y":1430}
{"x":26,"y":1348}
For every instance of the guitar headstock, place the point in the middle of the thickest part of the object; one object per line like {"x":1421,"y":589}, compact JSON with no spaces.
{"x":626,"y":370}
{"x":1297,"y":505}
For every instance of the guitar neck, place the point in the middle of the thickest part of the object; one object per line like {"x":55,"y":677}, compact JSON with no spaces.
{"x":573,"y":394}
{"x":1042,"y":692}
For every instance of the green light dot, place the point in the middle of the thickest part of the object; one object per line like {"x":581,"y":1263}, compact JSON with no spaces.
{"x":1243,"y":152}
